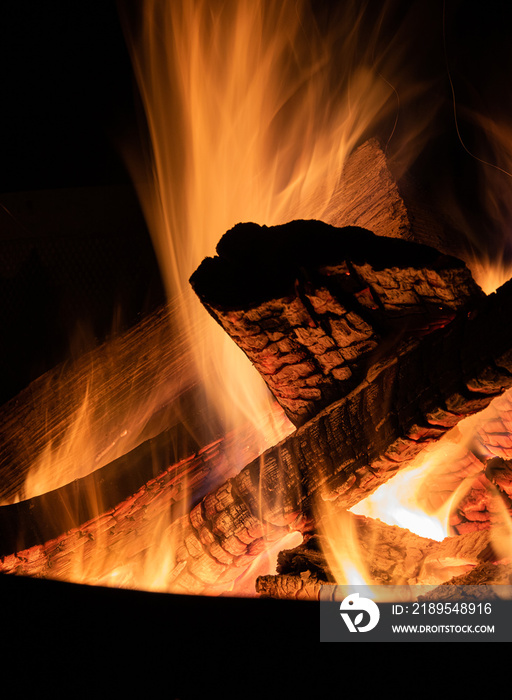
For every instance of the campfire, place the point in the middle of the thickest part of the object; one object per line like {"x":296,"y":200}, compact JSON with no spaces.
{"x":360,"y":430}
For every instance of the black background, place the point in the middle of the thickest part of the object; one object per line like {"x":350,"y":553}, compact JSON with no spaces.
{"x":69,"y":103}
{"x":67,"y":95}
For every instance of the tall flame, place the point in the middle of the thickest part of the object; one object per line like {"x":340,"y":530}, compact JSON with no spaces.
{"x":246,"y":124}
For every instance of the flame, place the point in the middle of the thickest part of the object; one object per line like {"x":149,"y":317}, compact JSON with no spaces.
{"x":403,"y":500}
{"x":91,"y":415}
{"x":341,"y":547}
{"x":230,"y":90}
{"x":488,"y":224}
{"x":244,"y":125}
{"x":409,"y":500}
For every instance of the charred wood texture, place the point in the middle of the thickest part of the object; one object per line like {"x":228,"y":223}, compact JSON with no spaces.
{"x":473,"y":584}
{"x":354,"y":445}
{"x":389,"y":554}
{"x":313,"y":306}
{"x":375,"y":346}
{"x":476,"y":479}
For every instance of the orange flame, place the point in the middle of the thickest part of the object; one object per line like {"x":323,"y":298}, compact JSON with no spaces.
{"x":245,"y":126}
{"x":410,"y":499}
{"x":403,"y":500}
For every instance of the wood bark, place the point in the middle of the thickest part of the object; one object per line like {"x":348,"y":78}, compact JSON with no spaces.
{"x":374,"y":194}
{"x":356,"y":442}
{"x":312,"y":306}
{"x":109,"y":519}
{"x":130,"y":381}
{"x":476,"y":583}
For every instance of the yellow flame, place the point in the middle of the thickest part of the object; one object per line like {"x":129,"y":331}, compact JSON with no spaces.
{"x":402,"y":500}
{"x":245,"y":126}
{"x":341,"y":546}
{"x":409,"y":500}
{"x":252,"y":111}
{"x":489,"y":273}
{"x":489,"y":257}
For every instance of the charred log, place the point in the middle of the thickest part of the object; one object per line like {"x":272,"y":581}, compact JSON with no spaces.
{"x":474,"y":584}
{"x":313,"y":306}
{"x":374,"y":194}
{"x":342,"y":454}
{"x":349,"y":323}
{"x":474,"y":472}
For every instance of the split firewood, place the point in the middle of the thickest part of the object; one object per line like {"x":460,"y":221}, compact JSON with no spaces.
{"x":478,"y":582}
{"x":118,"y":385}
{"x":84,"y":414}
{"x":110,"y":519}
{"x":461,"y":481}
{"x":388,"y":555}
{"x":372,"y":194}
{"x":404,"y":404}
{"x":482,"y":507}
{"x":304,"y":586}
{"x":313,"y":306}
{"x":485,"y":574}
{"x":358,"y":441}
{"x":499,"y":472}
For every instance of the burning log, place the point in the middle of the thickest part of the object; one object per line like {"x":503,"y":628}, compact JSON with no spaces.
{"x":389,"y":555}
{"x":403,"y":331}
{"x":482,"y":507}
{"x":405,"y":402}
{"x":313,"y":306}
{"x":354,"y":445}
{"x":480,"y":474}
{"x":499,"y":472}
{"x":485,"y":574}
{"x":120,"y":505}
